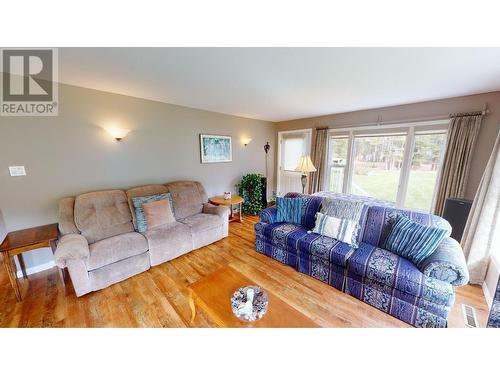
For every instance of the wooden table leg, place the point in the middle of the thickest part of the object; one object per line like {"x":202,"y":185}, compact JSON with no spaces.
{"x":239,"y":214}
{"x":12,"y":276}
{"x":20,"y":259}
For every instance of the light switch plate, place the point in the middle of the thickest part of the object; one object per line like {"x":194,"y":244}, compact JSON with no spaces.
{"x":17,"y":170}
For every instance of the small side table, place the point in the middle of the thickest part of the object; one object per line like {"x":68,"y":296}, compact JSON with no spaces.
{"x":235,"y":200}
{"x":18,"y":242}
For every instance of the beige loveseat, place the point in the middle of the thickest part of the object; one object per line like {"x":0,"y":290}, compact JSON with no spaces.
{"x":99,"y":244}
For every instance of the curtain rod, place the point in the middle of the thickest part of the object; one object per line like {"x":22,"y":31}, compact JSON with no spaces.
{"x":379,"y":122}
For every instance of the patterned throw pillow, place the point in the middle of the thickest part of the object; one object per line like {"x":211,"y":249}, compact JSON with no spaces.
{"x":412,"y":240}
{"x":140,"y":219}
{"x":289,"y":210}
{"x":345,"y":209}
{"x":342,"y":230}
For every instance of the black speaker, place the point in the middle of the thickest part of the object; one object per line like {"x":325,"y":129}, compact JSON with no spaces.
{"x":264,"y":192}
{"x":456,"y":211}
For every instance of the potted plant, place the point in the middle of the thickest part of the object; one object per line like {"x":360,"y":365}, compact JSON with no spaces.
{"x":250,"y":189}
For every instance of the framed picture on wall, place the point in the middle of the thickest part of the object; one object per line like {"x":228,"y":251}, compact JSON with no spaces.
{"x":215,"y":148}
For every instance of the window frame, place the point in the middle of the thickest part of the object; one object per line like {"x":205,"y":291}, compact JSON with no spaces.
{"x":410,"y":129}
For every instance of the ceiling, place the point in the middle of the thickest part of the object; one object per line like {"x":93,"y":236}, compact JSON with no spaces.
{"x":278,"y":84}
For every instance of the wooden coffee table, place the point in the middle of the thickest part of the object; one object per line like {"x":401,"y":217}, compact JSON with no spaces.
{"x":18,"y":242}
{"x":235,"y":200}
{"x":212,"y":294}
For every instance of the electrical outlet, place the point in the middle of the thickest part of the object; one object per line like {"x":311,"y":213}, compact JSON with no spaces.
{"x":17,"y":170}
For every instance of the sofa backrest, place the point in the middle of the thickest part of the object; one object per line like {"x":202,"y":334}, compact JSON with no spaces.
{"x":102,"y":214}
{"x":309,"y":210}
{"x":143,"y":191}
{"x":379,"y":221}
{"x":188,"y":198}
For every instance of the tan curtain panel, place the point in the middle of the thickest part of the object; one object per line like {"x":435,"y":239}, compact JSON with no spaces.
{"x":462,"y":136}
{"x":482,"y":231}
{"x":318,"y":153}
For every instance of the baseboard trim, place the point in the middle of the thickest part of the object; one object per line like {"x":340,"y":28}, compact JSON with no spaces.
{"x":38,"y":268}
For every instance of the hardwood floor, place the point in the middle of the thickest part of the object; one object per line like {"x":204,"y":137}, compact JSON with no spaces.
{"x":160,"y":296}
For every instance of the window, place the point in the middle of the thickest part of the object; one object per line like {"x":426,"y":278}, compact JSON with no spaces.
{"x":293,"y":150}
{"x":400,"y":165}
{"x":337,"y":162}
{"x":426,"y":159}
{"x":377,"y":166}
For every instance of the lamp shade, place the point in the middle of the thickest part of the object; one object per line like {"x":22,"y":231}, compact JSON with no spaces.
{"x":305,"y":165}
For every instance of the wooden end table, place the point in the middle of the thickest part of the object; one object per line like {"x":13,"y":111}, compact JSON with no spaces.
{"x":235,"y":200}
{"x":18,"y":242}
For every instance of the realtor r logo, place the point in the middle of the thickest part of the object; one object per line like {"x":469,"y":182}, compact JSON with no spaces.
{"x":29,"y":82}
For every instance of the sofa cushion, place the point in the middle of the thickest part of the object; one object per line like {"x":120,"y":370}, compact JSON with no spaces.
{"x":289,"y":210}
{"x":384,"y":267}
{"x":114,"y":249}
{"x":348,"y":209}
{"x":168,"y":242}
{"x":413,"y":241}
{"x":114,"y":273}
{"x":325,"y":248}
{"x":311,"y":205}
{"x":188,"y":198}
{"x":380,"y":219}
{"x":158,"y":213}
{"x":202,"y":222}
{"x":143,"y":191}
{"x":283,"y":235}
{"x":344,"y":230}
{"x":102,"y":214}
{"x":296,"y":239}
{"x":137,"y":202}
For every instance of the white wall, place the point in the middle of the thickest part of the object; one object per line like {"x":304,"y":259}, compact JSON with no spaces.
{"x":491,"y":280}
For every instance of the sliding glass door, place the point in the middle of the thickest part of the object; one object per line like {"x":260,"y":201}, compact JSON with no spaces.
{"x":401,"y":165}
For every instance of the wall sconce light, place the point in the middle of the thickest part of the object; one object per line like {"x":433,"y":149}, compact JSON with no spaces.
{"x":246,"y":141}
{"x":118,"y":133}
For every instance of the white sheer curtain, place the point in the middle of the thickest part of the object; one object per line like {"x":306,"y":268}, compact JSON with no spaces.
{"x":482,"y":232}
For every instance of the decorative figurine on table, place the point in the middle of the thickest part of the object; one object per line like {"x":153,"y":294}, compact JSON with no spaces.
{"x":227,"y":195}
{"x":249,"y":303}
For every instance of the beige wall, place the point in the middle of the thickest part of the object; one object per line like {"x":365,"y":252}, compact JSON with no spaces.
{"x":402,"y":113}
{"x":71,"y":153}
{"x":3,"y":230}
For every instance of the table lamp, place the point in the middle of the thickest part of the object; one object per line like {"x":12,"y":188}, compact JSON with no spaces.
{"x":305,"y":167}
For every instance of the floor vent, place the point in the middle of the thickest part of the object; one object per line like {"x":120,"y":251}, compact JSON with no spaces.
{"x":470,"y":317}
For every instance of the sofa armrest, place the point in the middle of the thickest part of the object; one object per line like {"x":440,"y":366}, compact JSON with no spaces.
{"x":71,"y":247}
{"x":268,"y":215}
{"x":447,"y":263}
{"x":222,"y":211}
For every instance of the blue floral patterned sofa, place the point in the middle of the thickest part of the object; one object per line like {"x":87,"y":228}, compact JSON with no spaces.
{"x":421,"y":296}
